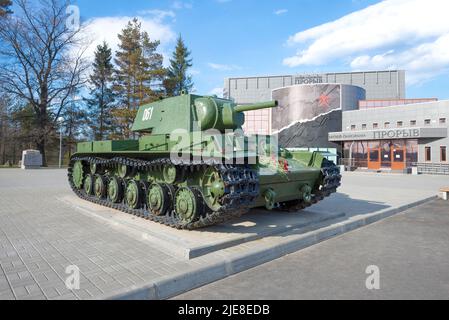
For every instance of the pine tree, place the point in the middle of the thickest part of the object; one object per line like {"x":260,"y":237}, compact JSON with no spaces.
{"x":4,"y":7}
{"x":138,"y":75}
{"x":177,"y":78}
{"x":102,"y":97}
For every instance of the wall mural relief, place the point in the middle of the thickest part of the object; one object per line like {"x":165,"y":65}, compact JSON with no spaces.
{"x":306,"y":114}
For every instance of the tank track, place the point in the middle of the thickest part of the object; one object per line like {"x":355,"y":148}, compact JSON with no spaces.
{"x":331,"y":179}
{"x":241,"y":182}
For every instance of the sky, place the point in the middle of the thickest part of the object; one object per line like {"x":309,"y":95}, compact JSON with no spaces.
{"x":230,"y":38}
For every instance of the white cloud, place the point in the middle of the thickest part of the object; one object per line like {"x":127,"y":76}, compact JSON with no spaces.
{"x":223,"y":67}
{"x":158,"y":15}
{"x":280,"y":12}
{"x":178,"y":5}
{"x":421,"y":62}
{"x":194,"y":72}
{"x":107,"y":29}
{"x":406,"y":34}
{"x":216,"y":91}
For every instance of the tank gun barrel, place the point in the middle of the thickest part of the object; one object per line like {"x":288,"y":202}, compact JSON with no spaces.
{"x":257,"y":106}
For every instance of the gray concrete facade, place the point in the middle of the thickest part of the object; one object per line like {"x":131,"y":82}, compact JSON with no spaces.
{"x":388,"y":84}
{"x":427,"y":122}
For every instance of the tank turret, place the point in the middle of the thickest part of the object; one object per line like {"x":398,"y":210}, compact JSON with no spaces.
{"x":193,"y":113}
{"x":213,"y":113}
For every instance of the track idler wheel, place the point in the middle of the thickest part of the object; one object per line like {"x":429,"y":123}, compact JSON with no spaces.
{"x":306,"y":194}
{"x":78,"y":174}
{"x":270,"y":199}
{"x":159,"y":199}
{"x":188,"y":204}
{"x":116,"y":190}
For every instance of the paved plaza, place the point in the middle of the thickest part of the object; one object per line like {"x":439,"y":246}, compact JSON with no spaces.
{"x":41,"y":235}
{"x":411,"y":251}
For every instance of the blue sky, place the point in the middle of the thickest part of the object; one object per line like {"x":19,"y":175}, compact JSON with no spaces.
{"x":260,"y":37}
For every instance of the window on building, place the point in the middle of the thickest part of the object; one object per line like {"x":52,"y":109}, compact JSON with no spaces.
{"x":443,"y":154}
{"x":353,"y":127}
{"x":442,"y":120}
{"x":375,"y":125}
{"x":400,"y":124}
{"x":386,"y":125}
{"x":428,"y":154}
{"x":413,"y":123}
{"x":363,"y":126}
{"x":427,"y":122}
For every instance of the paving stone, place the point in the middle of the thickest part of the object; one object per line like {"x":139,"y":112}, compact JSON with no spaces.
{"x":33,"y":289}
{"x":54,"y":234}
{"x":7,"y":296}
{"x":37,"y":296}
{"x":51,"y":292}
{"x":66,"y":296}
{"x":84,"y":294}
{"x":21,"y":292}
{"x":22,"y":282}
{"x":24,"y":274}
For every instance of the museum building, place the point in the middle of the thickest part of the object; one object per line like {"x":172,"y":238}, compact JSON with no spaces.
{"x":396,"y":137}
{"x":363,"y":117}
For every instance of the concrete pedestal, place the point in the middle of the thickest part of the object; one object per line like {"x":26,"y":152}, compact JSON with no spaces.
{"x":191,"y":244}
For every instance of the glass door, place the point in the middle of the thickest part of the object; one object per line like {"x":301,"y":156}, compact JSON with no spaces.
{"x":374,"y":158}
{"x":386,"y":155}
{"x":399,"y":155}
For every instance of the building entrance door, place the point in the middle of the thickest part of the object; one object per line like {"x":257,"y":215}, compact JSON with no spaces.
{"x":386,"y":155}
{"x":398,"y":155}
{"x":374,"y":158}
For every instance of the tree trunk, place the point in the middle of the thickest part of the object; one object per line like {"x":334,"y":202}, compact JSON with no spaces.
{"x":42,"y":133}
{"x":42,"y":122}
{"x":41,"y":147}
{"x":2,"y":138}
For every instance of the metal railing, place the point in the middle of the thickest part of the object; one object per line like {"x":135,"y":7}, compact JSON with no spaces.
{"x":421,"y":167}
{"x":353,"y":163}
{"x":363,"y":163}
{"x":433,"y":168}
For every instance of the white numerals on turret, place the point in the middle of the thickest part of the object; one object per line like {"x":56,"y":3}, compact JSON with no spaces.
{"x":147,"y":114}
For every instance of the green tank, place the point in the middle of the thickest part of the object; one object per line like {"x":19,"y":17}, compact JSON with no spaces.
{"x":191,"y":166}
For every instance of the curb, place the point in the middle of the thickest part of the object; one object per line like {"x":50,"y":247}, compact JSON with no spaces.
{"x":292,"y":241}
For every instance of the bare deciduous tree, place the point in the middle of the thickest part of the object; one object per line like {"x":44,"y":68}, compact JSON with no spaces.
{"x":42,"y":60}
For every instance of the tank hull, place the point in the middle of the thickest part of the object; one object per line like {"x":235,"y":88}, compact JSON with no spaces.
{"x":244,"y":186}
{"x":188,"y":171}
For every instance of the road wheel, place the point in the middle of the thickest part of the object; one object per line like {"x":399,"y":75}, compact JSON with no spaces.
{"x":187,"y":204}
{"x":213,"y":188}
{"x":133,"y":195}
{"x":159,"y":199}
{"x":89,"y":185}
{"x":115,"y":190}
{"x":100,"y":188}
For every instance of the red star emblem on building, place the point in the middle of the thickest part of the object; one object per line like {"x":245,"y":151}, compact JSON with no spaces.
{"x":324,"y":100}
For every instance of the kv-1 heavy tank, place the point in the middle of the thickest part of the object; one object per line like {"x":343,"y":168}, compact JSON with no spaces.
{"x":191,"y":166}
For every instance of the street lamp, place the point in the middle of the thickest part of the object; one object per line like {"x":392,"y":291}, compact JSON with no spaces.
{"x":60,"y":121}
